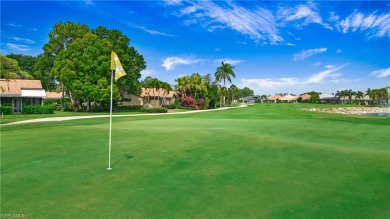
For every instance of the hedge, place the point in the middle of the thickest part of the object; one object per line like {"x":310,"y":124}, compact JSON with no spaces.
{"x":38,"y":109}
{"x":154,"y":110}
{"x":6,"y":109}
{"x":127,"y":108}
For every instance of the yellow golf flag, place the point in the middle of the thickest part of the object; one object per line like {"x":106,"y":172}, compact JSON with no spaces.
{"x":117,"y":66}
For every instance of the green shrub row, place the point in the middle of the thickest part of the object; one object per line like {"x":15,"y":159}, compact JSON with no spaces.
{"x":127,"y":108}
{"x":6,"y":109}
{"x":37,"y":109}
{"x":154,"y":110}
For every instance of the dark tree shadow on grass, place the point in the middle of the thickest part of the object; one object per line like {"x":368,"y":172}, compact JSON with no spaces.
{"x":127,"y":157}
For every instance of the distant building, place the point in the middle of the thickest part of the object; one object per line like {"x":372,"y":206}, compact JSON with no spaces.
{"x":18,"y":93}
{"x":274,"y":99}
{"x":289,"y":98}
{"x":250,"y":99}
{"x":328,"y":98}
{"x":305,"y":98}
{"x":153,"y":96}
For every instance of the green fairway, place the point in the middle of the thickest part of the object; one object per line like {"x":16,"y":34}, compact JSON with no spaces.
{"x":262,"y":161}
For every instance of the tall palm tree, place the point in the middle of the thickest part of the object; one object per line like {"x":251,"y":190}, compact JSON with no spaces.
{"x":225,"y":72}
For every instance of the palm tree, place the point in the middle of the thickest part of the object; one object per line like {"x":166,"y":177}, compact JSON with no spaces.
{"x":371,"y":94}
{"x":341,"y":95}
{"x":349,"y":93}
{"x":234,"y":92}
{"x":183,"y":85}
{"x":147,"y":84}
{"x":225,"y":72}
{"x":198,"y":85}
{"x":359,"y":95}
{"x":223,"y":91}
{"x":166,"y":89}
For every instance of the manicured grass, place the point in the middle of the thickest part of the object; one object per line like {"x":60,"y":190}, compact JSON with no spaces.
{"x":263,"y":161}
{"x":20,"y":117}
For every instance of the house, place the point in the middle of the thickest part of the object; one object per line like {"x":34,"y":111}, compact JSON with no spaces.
{"x":329,"y":98}
{"x":289,"y":98}
{"x":250,"y":99}
{"x":132,"y":100}
{"x":274,"y":99}
{"x":305,"y":98}
{"x":158,"y":96}
{"x":365,"y":100}
{"x":18,"y":93}
{"x":153,"y":96}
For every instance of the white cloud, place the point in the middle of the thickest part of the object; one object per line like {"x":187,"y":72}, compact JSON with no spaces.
{"x":321,"y":76}
{"x":307,"y":53}
{"x":230,"y":61}
{"x":375,"y":25}
{"x":170,"y":63}
{"x":317,"y":64}
{"x":329,"y":66}
{"x":269,"y":85}
{"x":18,"y":47}
{"x":172,"y":2}
{"x":24,"y":40}
{"x":306,"y":14}
{"x":14,"y":25}
{"x":339,"y":51}
{"x":189,"y":10}
{"x":258,"y":24}
{"x":147,"y":72}
{"x":381,"y":73}
{"x":153,"y":32}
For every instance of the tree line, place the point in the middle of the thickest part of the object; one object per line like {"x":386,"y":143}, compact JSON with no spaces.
{"x":204,"y":89}
{"x":377,"y":96}
{"x":76,"y":60}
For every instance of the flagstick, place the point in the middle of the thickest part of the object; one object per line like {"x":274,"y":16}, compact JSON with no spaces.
{"x":109,"y":138}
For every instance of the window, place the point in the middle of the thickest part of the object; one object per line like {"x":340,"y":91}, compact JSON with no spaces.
{"x":6,"y":101}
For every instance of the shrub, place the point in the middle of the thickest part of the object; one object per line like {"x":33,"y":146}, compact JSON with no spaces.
{"x":59,"y":104}
{"x":6,"y":109}
{"x":188,"y":102}
{"x":128,"y":108}
{"x":201,"y":103}
{"x":38,"y":109}
{"x":172,"y":106}
{"x":154,"y":110}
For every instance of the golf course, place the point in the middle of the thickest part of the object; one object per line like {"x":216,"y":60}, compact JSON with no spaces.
{"x":260,"y":161}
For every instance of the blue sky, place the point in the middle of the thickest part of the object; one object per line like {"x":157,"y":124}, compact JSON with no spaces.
{"x":275,"y":46}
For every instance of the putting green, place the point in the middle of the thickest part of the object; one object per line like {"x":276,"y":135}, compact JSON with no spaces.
{"x":263,"y":161}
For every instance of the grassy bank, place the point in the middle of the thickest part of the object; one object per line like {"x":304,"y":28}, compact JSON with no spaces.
{"x":263,"y":161}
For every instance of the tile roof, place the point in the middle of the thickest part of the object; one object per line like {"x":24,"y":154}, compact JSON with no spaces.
{"x":157,"y":92}
{"x":305,"y":97}
{"x":289,"y":97}
{"x":53,"y":95}
{"x":13,"y":87}
{"x":276,"y":97}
